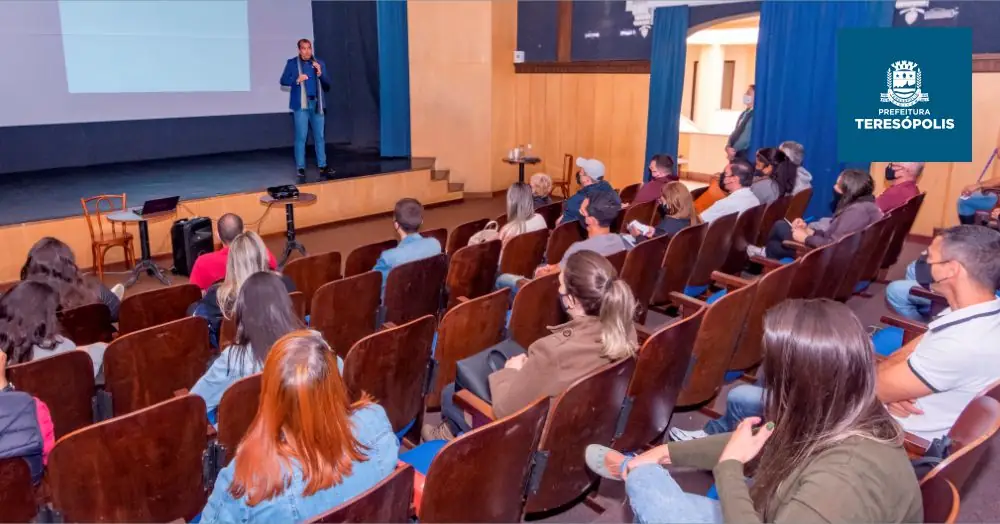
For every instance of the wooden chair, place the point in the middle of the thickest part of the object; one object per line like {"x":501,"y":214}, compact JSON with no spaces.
{"x":744,"y":234}
{"x":536,"y":306}
{"x":159,"y":306}
{"x":393,"y":366}
{"x":940,"y":500}
{"x":774,"y":212}
{"x":459,"y":489}
{"x":149,"y":365}
{"x":840,"y":263}
{"x":563,"y":184}
{"x":970,"y":436}
{"x":236,"y":412}
{"x":551,"y":213}
{"x":868,"y":249}
{"x":142,"y":467}
{"x":798,"y":204}
{"x":642,"y":212}
{"x":94,"y":209}
{"x":345,"y":310}
{"x":363,"y":259}
{"x":678,"y":262}
{"x":17,"y":494}
{"x":713,"y":253}
{"x":299,"y":304}
{"x":617,"y":260}
{"x":909,"y":215}
{"x":524,"y":253}
{"x":772,"y":289}
{"x":873,"y":263}
{"x":468,"y":328}
{"x":311,"y":272}
{"x":65,"y":383}
{"x":472,"y":271}
{"x":660,"y":367}
{"x":87,"y":324}
{"x":812,"y":268}
{"x":563,"y":236}
{"x":414,"y":289}
{"x":459,"y":237}
{"x":440,"y":234}
{"x":627,"y":193}
{"x":387,"y":501}
{"x":642,"y":266}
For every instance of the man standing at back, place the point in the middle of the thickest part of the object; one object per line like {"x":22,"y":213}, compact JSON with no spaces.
{"x":739,"y":139}
{"x":591,"y":181}
{"x":407,"y":219}
{"x":307,"y":78}
{"x":210,"y":268}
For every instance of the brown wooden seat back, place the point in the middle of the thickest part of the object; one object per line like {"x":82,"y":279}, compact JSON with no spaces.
{"x":940,"y":500}
{"x":524,"y":253}
{"x":774,"y":212}
{"x":714,"y":347}
{"x":65,"y":383}
{"x":87,"y":324}
{"x":299,"y":304}
{"x":627,"y":193}
{"x":387,"y":501}
{"x":17,"y":494}
{"x":440,"y":234}
{"x":772,"y":289}
{"x":617,"y":260}
{"x":563,"y":236}
{"x":392,"y":366}
{"x":536,"y":306}
{"x":840,"y":263}
{"x":472,"y":271}
{"x":812,"y":267}
{"x":912,"y":208}
{"x":237,"y":409}
{"x":311,"y":272}
{"x":642,"y":266}
{"x":551,"y":213}
{"x":459,"y":237}
{"x":362,"y":259}
{"x":345,"y":310}
{"x":586,"y":413}
{"x":465,"y":330}
{"x":798,"y":204}
{"x":642,"y":212}
{"x":867,"y":247}
{"x":152,"y":308}
{"x":414,"y":289}
{"x":744,"y":233}
{"x":149,"y":365}
{"x":142,"y":467}
{"x":678,"y":262}
{"x":873,"y":262}
{"x":660,"y":367}
{"x":714,"y":250}
{"x":970,"y":436}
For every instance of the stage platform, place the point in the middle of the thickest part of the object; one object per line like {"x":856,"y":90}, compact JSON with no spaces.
{"x":47,"y":203}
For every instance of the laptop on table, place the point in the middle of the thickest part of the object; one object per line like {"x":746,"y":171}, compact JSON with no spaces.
{"x":157,"y":205}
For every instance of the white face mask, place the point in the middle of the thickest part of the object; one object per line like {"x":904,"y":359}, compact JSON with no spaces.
{"x":747,"y":99}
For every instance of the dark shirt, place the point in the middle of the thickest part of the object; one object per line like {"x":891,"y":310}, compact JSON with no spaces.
{"x":670,"y":226}
{"x":572,"y":211}
{"x":897,"y":195}
{"x":291,"y":74}
{"x":541,"y":201}
{"x":651,"y":190}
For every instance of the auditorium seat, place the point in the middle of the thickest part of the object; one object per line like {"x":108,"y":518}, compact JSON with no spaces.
{"x":363,"y":258}
{"x":65,"y":383}
{"x":712,"y":254}
{"x":798,"y":204}
{"x":472,"y":271}
{"x":867,"y":250}
{"x":774,"y":212}
{"x":159,"y":306}
{"x":311,"y":272}
{"x":17,"y":494}
{"x":87,"y":324}
{"x":639,"y":212}
{"x":563,"y":236}
{"x":237,"y":409}
{"x":909,"y":216}
{"x":415,"y":289}
{"x":551,"y":213}
{"x":345,"y":310}
{"x":440,"y":234}
{"x":535,"y":308}
{"x":388,"y":501}
{"x":627,"y":193}
{"x":970,"y":436}
{"x":744,"y":234}
{"x":772,"y":289}
{"x":940,"y":499}
{"x":641,"y":268}
{"x":617,"y":260}
{"x":678,"y":262}
{"x":459,"y":237}
{"x":524,"y":253}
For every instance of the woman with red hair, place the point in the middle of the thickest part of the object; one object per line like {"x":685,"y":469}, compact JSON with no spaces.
{"x":309,"y":448}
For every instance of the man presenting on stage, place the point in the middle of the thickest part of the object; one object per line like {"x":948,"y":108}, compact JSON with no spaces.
{"x":305,"y":74}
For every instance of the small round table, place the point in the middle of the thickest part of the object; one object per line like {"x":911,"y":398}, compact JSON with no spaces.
{"x":146,"y":262}
{"x":520,"y":164}
{"x":290,"y":243}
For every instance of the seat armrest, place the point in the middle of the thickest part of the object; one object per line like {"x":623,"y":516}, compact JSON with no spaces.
{"x":462,"y":300}
{"x":181,"y":392}
{"x":388,"y":325}
{"x":730,"y":281}
{"x":642,"y":333}
{"x":474,"y":405}
{"x":799,"y":248}
{"x":918,"y":291}
{"x":685,"y":302}
{"x":911,"y":326}
{"x":915,"y":446}
{"x":768,"y":263}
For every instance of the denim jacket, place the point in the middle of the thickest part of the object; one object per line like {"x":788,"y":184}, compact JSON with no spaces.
{"x":371,"y":428}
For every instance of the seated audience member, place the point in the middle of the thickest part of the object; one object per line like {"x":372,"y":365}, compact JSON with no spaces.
{"x":974,"y":199}
{"x":29,"y":329}
{"x":736,"y":180}
{"x":590,"y":178}
{"x":928,"y":382}
{"x":407,"y":218}
{"x":26,"y":429}
{"x":897,"y":294}
{"x":856,"y":210}
{"x":775,"y":175}
{"x":210,"y":268}
{"x":901,"y":179}
{"x":599,"y":212}
{"x":661,"y":172}
{"x":310,"y":447}
{"x":796,"y":153}
{"x":541,"y":189}
{"x":521,"y":216}
{"x":52,"y":262}
{"x":743,"y":401}
{"x":676,"y":209}
{"x":601,"y":331}
{"x":263,"y":314}
{"x":717,"y":189}
{"x":829,"y":451}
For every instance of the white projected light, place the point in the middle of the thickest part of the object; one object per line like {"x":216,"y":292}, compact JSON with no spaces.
{"x":155,"y":46}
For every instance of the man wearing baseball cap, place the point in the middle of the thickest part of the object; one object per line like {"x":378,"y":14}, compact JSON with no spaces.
{"x":590,"y":177}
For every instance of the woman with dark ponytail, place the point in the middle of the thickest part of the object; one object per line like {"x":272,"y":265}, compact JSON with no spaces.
{"x":775,"y":175}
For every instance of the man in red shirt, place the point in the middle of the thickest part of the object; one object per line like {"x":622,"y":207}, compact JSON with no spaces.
{"x":211,"y":267}
{"x":901,"y":179}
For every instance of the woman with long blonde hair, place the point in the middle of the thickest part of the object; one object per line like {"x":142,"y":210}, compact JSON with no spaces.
{"x":310,"y":447}
{"x":677,"y":211}
{"x":521,"y":216}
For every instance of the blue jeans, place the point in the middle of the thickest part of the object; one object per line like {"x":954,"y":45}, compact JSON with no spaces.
{"x":655,"y":497}
{"x":897,"y":294}
{"x":976,"y":202}
{"x":304,"y":119}
{"x":743,"y":401}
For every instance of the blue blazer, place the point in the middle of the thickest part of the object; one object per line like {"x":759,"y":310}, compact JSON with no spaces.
{"x":291,"y":73}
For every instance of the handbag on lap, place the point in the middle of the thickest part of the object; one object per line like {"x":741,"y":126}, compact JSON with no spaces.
{"x":490,"y":232}
{"x":473,"y":373}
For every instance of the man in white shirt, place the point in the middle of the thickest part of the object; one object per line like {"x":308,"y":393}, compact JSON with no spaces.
{"x":927,"y":383}
{"x":736,"y":180}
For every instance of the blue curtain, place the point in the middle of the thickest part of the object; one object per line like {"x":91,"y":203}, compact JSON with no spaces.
{"x":796,"y":82}
{"x":394,"y":78}
{"x":666,"y":81}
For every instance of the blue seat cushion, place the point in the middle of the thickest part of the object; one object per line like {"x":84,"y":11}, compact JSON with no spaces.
{"x":861,"y":286}
{"x":887,"y":340}
{"x":695,"y":291}
{"x":421,"y":456}
{"x":401,"y":433}
{"x":787,"y":260}
{"x":712,"y":493}
{"x":715,"y":296}
{"x":732,"y":375}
